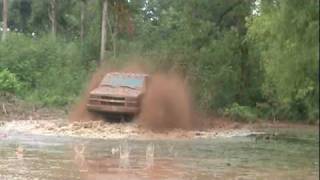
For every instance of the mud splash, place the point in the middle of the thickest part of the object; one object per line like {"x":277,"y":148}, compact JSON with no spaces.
{"x":167,"y":104}
{"x":79,"y":111}
{"x":105,"y":130}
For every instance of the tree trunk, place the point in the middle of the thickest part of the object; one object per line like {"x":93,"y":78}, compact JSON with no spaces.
{"x":115,"y":33}
{"x":104,"y":30}
{"x":52,"y":16}
{"x":5,"y":19}
{"x":114,"y":36}
{"x":82,"y":18}
{"x":243,"y":85}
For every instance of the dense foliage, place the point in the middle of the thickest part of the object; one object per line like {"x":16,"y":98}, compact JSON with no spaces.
{"x":245,"y":59}
{"x":48,"y":70}
{"x":287,"y":36}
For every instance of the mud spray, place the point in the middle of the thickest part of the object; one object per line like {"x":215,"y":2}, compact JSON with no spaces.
{"x":166,"y":105}
{"x":79,"y":111}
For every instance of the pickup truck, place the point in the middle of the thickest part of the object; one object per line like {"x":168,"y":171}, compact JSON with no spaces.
{"x":119,"y":93}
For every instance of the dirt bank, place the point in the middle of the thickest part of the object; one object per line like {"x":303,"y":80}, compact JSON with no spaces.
{"x":12,"y":108}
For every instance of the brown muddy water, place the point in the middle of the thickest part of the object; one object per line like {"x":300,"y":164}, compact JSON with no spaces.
{"x":284,"y":154}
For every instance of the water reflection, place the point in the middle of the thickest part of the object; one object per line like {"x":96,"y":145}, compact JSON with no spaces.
{"x":79,"y":157}
{"x":124,"y":161}
{"x":25,"y":156}
{"x":19,"y":152}
{"x":164,"y":169}
{"x":3,"y":136}
{"x":117,"y":165}
{"x":114,"y":150}
{"x":150,"y":156}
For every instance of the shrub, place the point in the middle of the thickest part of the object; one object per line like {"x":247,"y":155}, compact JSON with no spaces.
{"x":8,"y":81}
{"x":52,"y":71}
{"x":240,"y":113}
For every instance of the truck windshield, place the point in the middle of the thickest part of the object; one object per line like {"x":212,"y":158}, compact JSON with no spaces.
{"x":124,"y":81}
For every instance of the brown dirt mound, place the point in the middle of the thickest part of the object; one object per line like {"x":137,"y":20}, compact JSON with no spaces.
{"x":167,"y":104}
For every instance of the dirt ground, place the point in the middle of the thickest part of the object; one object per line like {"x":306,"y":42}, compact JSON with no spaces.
{"x":12,"y":108}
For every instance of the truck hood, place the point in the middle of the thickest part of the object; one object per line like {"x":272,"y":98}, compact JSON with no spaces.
{"x":116,"y":91}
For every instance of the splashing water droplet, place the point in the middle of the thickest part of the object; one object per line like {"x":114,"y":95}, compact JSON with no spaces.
{"x":19,"y":152}
{"x":150,"y":156}
{"x":114,"y":151}
{"x":124,"y":154}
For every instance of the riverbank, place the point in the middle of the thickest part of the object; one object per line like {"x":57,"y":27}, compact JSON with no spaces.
{"x":13,"y":108}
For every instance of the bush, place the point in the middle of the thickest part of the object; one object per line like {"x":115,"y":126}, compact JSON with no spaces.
{"x":8,"y":82}
{"x":240,"y":113}
{"x":52,"y":71}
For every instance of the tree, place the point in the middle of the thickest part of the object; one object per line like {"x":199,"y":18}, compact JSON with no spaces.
{"x":82,"y":19}
{"x":4,"y":19}
{"x":103,"y":30}
{"x":207,"y":39}
{"x":120,"y":21}
{"x":52,"y":16}
{"x":286,"y":34}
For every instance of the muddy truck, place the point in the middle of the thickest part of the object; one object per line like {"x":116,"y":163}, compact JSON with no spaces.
{"x":119,"y":94}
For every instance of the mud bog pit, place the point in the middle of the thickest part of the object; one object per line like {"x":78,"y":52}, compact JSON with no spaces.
{"x":293,"y":155}
{"x":97,"y":150}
